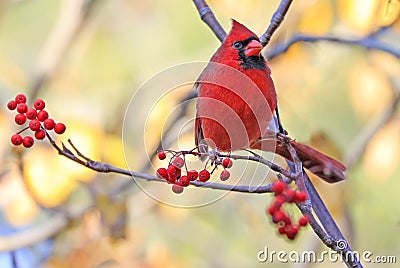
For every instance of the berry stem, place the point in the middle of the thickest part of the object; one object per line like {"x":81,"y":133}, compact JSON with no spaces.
{"x":22,"y":130}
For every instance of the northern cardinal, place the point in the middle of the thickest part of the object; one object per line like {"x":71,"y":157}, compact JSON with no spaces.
{"x":237,"y":106}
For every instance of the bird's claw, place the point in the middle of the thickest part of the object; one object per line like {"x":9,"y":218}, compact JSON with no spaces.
{"x":284,"y":138}
{"x":213,"y":154}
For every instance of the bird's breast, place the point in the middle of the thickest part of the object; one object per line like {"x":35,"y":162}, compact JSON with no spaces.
{"x":235,"y":108}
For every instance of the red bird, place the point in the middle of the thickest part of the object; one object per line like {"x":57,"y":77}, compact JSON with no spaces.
{"x":237,"y":106}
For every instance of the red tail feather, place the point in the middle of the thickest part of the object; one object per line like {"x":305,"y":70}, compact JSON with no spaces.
{"x":318,"y":163}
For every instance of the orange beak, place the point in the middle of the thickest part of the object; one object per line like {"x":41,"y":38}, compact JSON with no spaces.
{"x":253,"y":48}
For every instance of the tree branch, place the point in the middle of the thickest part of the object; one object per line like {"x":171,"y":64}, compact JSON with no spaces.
{"x":369,"y":42}
{"x":208,"y":17}
{"x":329,"y":232}
{"x":107,"y":168}
{"x":330,"y":226}
{"x":276,"y":20}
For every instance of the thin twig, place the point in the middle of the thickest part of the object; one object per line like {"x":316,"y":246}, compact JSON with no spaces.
{"x":317,"y":228}
{"x":107,"y":168}
{"x":260,"y":159}
{"x":276,"y":20}
{"x":329,"y":233}
{"x":370,"y":42}
{"x":209,"y":18}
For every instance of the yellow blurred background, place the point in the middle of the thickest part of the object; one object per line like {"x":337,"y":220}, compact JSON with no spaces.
{"x":329,"y":93}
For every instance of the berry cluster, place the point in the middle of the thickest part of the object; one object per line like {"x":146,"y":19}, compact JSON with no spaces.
{"x":285,"y":195}
{"x":38,"y":118}
{"x":173,"y":173}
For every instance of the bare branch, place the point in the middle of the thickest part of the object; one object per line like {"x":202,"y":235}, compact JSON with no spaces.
{"x":276,"y":20}
{"x":330,"y":226}
{"x":260,"y":159}
{"x":107,"y":168}
{"x":370,"y":42}
{"x":208,"y":17}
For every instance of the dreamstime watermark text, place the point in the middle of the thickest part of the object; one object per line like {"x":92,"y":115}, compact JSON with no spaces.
{"x":308,"y":256}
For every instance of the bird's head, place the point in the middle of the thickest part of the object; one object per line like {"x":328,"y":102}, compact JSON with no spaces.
{"x":242,"y":45}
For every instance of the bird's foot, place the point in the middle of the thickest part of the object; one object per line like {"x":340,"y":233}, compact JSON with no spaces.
{"x":283,"y":138}
{"x":213,"y":154}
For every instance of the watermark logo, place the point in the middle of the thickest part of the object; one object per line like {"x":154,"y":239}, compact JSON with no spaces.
{"x":309,"y":256}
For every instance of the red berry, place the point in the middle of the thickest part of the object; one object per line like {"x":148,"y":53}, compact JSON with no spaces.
{"x":224,"y":175}
{"x":42,"y":115}
{"x":11,"y":105}
{"x":291,"y":232}
{"x":204,"y":175}
{"x":173,"y":172}
{"x":184,"y":181}
{"x":300,"y":197}
{"x":161,"y":155}
{"x":227,"y":163}
{"x":282,"y":230}
{"x":287,"y":220}
{"x":178,"y":162}
{"x":192,"y":175}
{"x":16,"y":139}
{"x":290,"y":195}
{"x":49,"y":124}
{"x":31,"y":114}
{"x":279,"y":201}
{"x":162,"y":173}
{"x":176,"y":188}
{"x":59,"y":128}
{"x":40,"y":134}
{"x":20,"y":119}
{"x":272,"y":209}
{"x":303,"y":221}
{"x":34,"y":125}
{"x":39,"y":104}
{"x":279,"y":216}
{"x":278,"y":187}
{"x":20,"y":98}
{"x":291,"y":236}
{"x":22,"y":108}
{"x":170,"y":179}
{"x":27,"y":141}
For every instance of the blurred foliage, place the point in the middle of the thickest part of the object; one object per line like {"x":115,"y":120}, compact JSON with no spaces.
{"x":327,"y":94}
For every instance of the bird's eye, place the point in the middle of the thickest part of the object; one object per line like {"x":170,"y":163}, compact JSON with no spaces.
{"x":238,"y":45}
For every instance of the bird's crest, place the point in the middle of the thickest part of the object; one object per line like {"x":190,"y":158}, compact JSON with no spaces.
{"x":239,"y":32}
